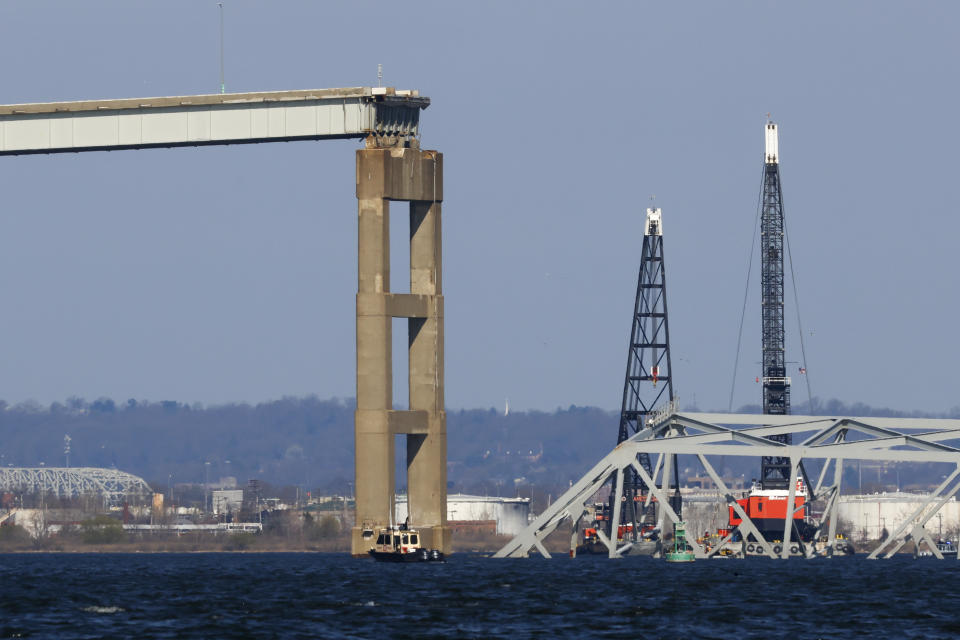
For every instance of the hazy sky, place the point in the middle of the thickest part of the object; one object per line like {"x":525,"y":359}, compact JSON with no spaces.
{"x":228,"y":273}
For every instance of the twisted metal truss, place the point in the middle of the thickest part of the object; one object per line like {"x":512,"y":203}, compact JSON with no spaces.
{"x":824,"y":443}
{"x":69,"y":482}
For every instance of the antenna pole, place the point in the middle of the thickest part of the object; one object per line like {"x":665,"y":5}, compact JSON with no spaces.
{"x":379,"y":75}
{"x":222,"y":85}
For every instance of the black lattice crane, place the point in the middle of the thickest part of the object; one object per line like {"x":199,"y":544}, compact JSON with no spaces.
{"x":775,"y":471}
{"x":649,"y":378}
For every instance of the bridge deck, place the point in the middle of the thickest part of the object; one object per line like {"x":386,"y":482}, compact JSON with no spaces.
{"x":232,"y":118}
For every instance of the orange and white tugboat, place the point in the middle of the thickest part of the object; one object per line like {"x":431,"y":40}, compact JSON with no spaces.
{"x":767,"y":509}
{"x":402,"y":544}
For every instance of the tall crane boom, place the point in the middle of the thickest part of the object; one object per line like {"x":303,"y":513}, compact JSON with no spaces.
{"x":649,"y":378}
{"x":648,"y":359}
{"x":775,"y":471}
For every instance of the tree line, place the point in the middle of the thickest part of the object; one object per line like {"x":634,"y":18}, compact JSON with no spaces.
{"x":308,"y":441}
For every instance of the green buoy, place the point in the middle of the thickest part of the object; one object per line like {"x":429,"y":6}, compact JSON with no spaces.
{"x":681,"y":550}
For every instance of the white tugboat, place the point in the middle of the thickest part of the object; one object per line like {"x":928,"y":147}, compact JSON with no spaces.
{"x":402,"y":544}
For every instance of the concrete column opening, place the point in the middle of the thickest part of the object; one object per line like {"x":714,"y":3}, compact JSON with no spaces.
{"x":401,"y":365}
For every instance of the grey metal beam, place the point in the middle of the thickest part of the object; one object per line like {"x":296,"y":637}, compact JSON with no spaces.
{"x":834,"y":507}
{"x":615,"y":526}
{"x":211,"y":119}
{"x":825,"y":434}
{"x":793,"y":419}
{"x":828,"y":513}
{"x":666,"y":473}
{"x":656,"y":470}
{"x":852,"y":450}
{"x":838,"y":437}
{"x":790,"y":510}
{"x":907,"y":439}
{"x":574,"y":527}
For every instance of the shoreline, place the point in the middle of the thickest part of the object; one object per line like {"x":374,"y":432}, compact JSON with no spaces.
{"x":233,"y":543}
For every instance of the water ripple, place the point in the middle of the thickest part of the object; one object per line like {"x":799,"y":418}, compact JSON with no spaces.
{"x":327,"y":595}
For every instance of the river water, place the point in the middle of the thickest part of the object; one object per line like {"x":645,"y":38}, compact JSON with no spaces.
{"x":302,"y":595}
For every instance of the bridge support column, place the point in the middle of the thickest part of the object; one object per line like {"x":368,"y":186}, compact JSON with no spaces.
{"x":384,"y":175}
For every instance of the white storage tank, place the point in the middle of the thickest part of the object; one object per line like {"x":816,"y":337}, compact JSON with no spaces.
{"x":510,"y":514}
{"x":868,"y":515}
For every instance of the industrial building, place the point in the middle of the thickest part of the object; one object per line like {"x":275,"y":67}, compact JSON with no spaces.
{"x":226,"y":501}
{"x":868,"y":516}
{"x":511,"y":515}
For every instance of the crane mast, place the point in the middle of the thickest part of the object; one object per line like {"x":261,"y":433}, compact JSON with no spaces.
{"x":648,"y":359}
{"x":775,"y":471}
{"x":649,"y":379}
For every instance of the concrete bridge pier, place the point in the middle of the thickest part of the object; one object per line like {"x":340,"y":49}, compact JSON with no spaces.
{"x":415,"y":176}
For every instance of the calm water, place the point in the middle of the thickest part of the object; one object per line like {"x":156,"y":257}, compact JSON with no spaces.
{"x":325,"y":595}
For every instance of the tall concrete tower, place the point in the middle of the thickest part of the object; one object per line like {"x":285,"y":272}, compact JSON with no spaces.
{"x":399,"y":171}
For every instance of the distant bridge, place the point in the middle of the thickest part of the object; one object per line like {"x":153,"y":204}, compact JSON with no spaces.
{"x":69,"y":482}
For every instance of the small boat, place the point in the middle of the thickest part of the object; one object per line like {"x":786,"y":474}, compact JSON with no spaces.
{"x":681,"y":550}
{"x":946,"y":548}
{"x":401,"y":544}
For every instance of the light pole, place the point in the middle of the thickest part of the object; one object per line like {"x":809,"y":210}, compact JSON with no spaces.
{"x":206,"y":485}
{"x":43,"y":506}
{"x":222,"y":85}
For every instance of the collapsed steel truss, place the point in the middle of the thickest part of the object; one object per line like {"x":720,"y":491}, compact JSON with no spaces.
{"x":827,"y":440}
{"x":69,"y":482}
